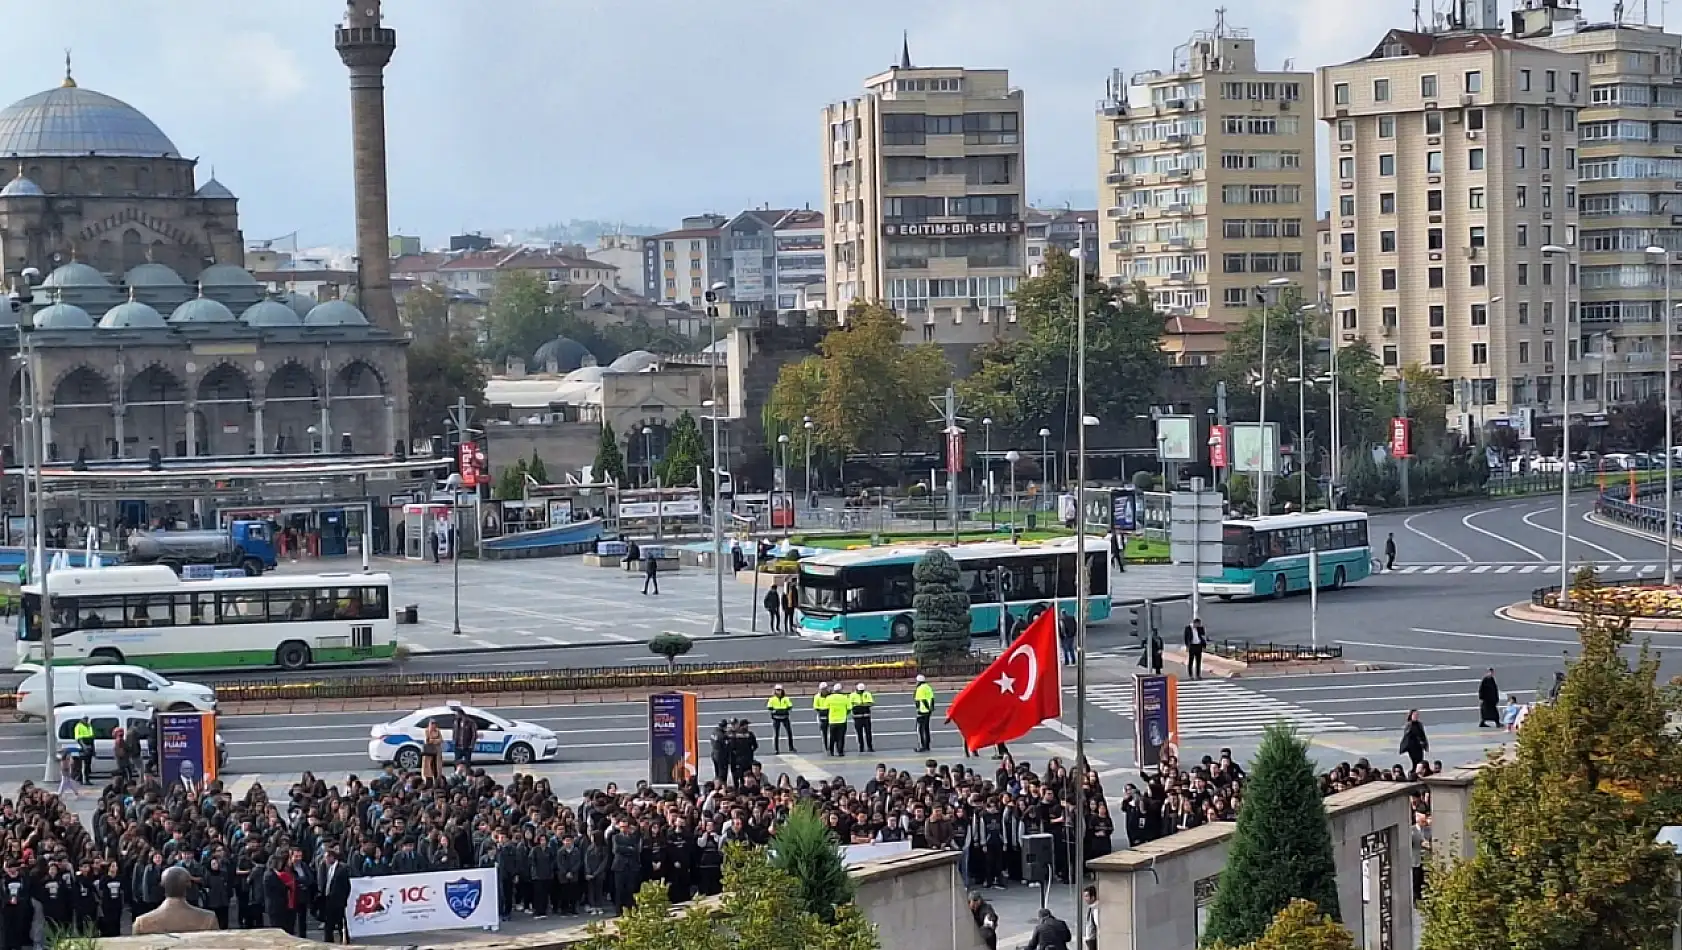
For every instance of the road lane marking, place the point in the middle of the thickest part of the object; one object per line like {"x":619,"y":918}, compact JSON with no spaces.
{"x":1467,"y":521}
{"x":1408,"y":524}
{"x":1588,"y":544}
{"x":1420,"y":649}
{"x":1481,"y":568}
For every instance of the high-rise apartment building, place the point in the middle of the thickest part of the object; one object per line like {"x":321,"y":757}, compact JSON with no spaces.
{"x":1206,"y":178}
{"x":924,"y":181}
{"x":1453,"y":163}
{"x":1629,"y":169}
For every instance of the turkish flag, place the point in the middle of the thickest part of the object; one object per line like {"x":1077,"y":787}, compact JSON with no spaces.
{"x":1018,"y":691}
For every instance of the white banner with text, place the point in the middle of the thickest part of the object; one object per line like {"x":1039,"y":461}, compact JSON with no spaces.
{"x":411,"y":903}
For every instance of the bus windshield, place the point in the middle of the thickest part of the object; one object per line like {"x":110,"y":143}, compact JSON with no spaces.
{"x":1238,"y":547}
{"x":820,"y":596}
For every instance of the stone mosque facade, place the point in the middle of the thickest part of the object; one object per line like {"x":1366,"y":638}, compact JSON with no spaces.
{"x":148,"y":329}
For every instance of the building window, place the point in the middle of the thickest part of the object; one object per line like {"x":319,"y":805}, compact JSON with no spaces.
{"x":1524,"y":314}
{"x":1232,"y":263}
{"x":1433,"y":123}
{"x":1436,"y":316}
{"x":1524,"y":352}
{"x":1475,"y":237}
{"x":1428,"y":87}
{"x":1474,"y":199}
{"x":1387,"y":279}
{"x":1233,"y":297}
{"x":1387,"y":202}
{"x":1524,"y":235}
{"x":1346,"y":281}
{"x":1347,"y":319}
{"x":1340,"y":94}
{"x":1345,"y":130}
{"x":1346,"y":242}
{"x":1386,"y":241}
{"x":1480,"y":315}
{"x":1518,"y":157}
{"x":1434,"y":163}
{"x":1480,"y":354}
{"x":1434,"y":200}
{"x":1381,"y":90}
{"x":1392,"y":357}
{"x":1434,"y":278}
{"x":1524,"y":80}
{"x":1346,"y":168}
{"x":1346,"y":206}
{"x":1474,"y":159}
{"x":1479,"y":275}
{"x":1438,"y":354}
{"x":1386,"y":165}
{"x":1521,"y":196}
{"x":1474,"y":81}
{"x":1523,"y":274}
{"x":1389,"y":317}
{"x":1518,"y":117}
{"x":1433,"y":239}
{"x":1386,"y":126}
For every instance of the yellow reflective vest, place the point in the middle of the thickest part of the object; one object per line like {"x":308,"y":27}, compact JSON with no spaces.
{"x":925,"y":699}
{"x":780,"y":706}
{"x":861,"y":703}
{"x":837,"y":706}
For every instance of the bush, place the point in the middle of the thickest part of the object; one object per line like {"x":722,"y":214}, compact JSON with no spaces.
{"x":1301,"y":926}
{"x":671,"y":646}
{"x":804,"y":848}
{"x":942,"y":609}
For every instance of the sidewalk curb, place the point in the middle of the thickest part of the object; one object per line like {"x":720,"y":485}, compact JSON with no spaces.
{"x":592,"y":645}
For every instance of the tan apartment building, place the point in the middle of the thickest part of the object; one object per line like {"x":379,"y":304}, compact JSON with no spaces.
{"x":1453,"y":163}
{"x":1206,"y":177}
{"x":1629,"y":139}
{"x":678,"y":267}
{"x":924,"y":178}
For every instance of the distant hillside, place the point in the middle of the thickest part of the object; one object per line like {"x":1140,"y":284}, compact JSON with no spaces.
{"x":582,"y":231}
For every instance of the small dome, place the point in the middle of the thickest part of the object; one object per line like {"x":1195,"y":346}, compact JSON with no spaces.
{"x":63,"y":316}
{"x":152,"y":275}
{"x":636,"y":361}
{"x":301,"y":304}
{"x":213,"y":189}
{"x":584,"y":374}
{"x":76,"y":274}
{"x":335,"y":313}
{"x":202,"y":310}
{"x":21,"y":187}
{"x":270,"y":313}
{"x":133,"y":315}
{"x":567,"y":354}
{"x":226,"y":275}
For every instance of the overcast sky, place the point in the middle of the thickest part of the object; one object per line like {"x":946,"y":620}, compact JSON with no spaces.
{"x":511,"y":113}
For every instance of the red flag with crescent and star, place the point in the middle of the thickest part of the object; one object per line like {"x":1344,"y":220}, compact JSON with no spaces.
{"x":1018,"y":691}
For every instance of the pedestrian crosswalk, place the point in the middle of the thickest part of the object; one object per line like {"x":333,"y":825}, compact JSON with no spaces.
{"x":1217,"y":708}
{"x":1531,"y":567}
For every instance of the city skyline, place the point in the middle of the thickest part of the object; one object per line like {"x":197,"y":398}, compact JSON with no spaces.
{"x":483,"y":114}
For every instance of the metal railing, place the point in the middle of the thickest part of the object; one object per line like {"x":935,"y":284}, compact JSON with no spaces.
{"x":1549,"y":597}
{"x":1251,"y":652}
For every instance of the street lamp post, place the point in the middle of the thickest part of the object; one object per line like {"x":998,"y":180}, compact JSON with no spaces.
{"x":712,"y":297}
{"x":782,"y":446}
{"x":1669,"y":456}
{"x":1013,"y":457}
{"x":1552,"y":250}
{"x":453,"y":483}
{"x":648,"y":453}
{"x":1045,"y":457}
{"x":23,"y":299}
{"x":807,"y":425}
{"x":987,"y":473}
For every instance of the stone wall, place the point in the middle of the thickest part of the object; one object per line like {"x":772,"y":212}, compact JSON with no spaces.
{"x":1157,"y":896}
{"x":916,"y":900}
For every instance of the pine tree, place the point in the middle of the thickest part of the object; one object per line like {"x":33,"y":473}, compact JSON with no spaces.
{"x":804,"y":848}
{"x":941,"y":625}
{"x":610,"y":460}
{"x":1564,"y":824}
{"x":537,"y":470}
{"x":686,"y":453}
{"x":1282,"y":848}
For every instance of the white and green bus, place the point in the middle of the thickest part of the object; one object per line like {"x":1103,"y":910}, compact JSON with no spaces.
{"x":864,"y":595}
{"x":1269,"y":556}
{"x":147,"y":616}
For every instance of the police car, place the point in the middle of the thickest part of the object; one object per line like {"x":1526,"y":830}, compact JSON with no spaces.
{"x":507,"y":740}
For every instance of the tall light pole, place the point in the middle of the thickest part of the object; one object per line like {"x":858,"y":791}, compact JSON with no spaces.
{"x":1077,"y":871}
{"x":1302,"y":413}
{"x":1045,"y":457}
{"x":712,"y":297}
{"x":1264,"y":492}
{"x":648,"y":452}
{"x":987,"y":473}
{"x":1555,"y":250}
{"x":807,"y":425}
{"x":453,"y":483}
{"x":782,"y":445}
{"x":1669,"y":457}
{"x":1013,"y":457}
{"x":24,"y":299}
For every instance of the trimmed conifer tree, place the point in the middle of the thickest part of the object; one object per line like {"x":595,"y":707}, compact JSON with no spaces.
{"x":1563,"y":825}
{"x":1282,"y":848}
{"x":941,"y":625}
{"x":804,"y":849}
{"x":610,"y":460}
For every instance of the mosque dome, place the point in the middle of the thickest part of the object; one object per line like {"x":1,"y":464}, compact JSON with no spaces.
{"x":152,"y":275}
{"x":21,"y":187}
{"x":584,"y":374}
{"x":202,"y":310}
{"x":133,"y":315}
{"x":301,"y":304}
{"x":270,"y":313}
{"x":335,"y":313}
{"x":226,"y":275}
{"x":74,"y":122}
{"x":63,"y":316}
{"x":636,"y":361}
{"x":566,"y":353}
{"x":76,"y":274}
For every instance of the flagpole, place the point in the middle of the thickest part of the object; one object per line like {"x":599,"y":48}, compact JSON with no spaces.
{"x":1077,"y":868}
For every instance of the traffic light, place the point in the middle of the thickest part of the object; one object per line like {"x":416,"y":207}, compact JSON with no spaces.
{"x":1135,"y":614}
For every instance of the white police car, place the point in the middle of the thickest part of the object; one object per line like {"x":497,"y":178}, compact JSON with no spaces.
{"x":499,"y":739}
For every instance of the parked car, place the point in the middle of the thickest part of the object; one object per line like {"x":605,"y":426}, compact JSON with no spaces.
{"x":108,"y":684}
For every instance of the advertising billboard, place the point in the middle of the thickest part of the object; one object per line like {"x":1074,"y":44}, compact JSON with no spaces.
{"x":674,"y":738}
{"x":747,"y":274}
{"x":413,"y":903}
{"x":187,"y":748}
{"x":1155,"y":719}
{"x":1173,"y":438}
{"x":1251,"y":451}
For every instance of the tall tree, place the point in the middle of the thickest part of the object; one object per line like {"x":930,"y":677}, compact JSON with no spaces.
{"x":1564,"y":824}
{"x":686,"y":454}
{"x":941,"y":623}
{"x":426,"y":312}
{"x":440,"y":371}
{"x":610,"y":459}
{"x":537,"y":470}
{"x":1282,"y":848}
{"x":804,"y":848}
{"x":524,"y":314}
{"x":1026,"y":383}
{"x":865,"y":390}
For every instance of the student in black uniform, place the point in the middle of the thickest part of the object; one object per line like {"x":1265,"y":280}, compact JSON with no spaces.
{"x":17,"y":908}
{"x":112,"y":897}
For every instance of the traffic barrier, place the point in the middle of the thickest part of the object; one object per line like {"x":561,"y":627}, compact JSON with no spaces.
{"x":1249,"y":652}
{"x":385,"y":685}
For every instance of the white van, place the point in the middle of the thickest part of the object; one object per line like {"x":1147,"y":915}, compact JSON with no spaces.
{"x":109,"y":684}
{"x":105,"y":718}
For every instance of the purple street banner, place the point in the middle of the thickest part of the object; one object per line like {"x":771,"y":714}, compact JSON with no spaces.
{"x":674,"y":738}
{"x":187,"y":748}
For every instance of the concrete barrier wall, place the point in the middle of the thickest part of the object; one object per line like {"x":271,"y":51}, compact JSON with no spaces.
{"x":916,"y":900}
{"x":1451,"y":803}
{"x":1157,"y":896}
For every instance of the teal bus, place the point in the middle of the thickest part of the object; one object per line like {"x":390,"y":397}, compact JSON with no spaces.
{"x":864,"y":595}
{"x":1269,"y":556}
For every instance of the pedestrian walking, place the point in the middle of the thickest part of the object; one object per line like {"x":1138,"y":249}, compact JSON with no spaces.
{"x":1489,"y":698}
{"x":1390,"y":551}
{"x":791,"y":602}
{"x":861,"y":700}
{"x":781,"y":707}
{"x":1509,"y":713}
{"x":774,"y":607}
{"x":1066,"y":637}
{"x":651,"y":575}
{"x":924,"y":698}
{"x":464,"y":735}
{"x":1414,"y":743}
{"x":1196,"y":639}
{"x":1118,"y":550}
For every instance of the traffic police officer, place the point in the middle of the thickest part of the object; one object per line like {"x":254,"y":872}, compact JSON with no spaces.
{"x":837,"y":706}
{"x":924,"y":697}
{"x":820,"y":705}
{"x":781,"y":707}
{"x":861,"y":701}
{"x":83,"y":734}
